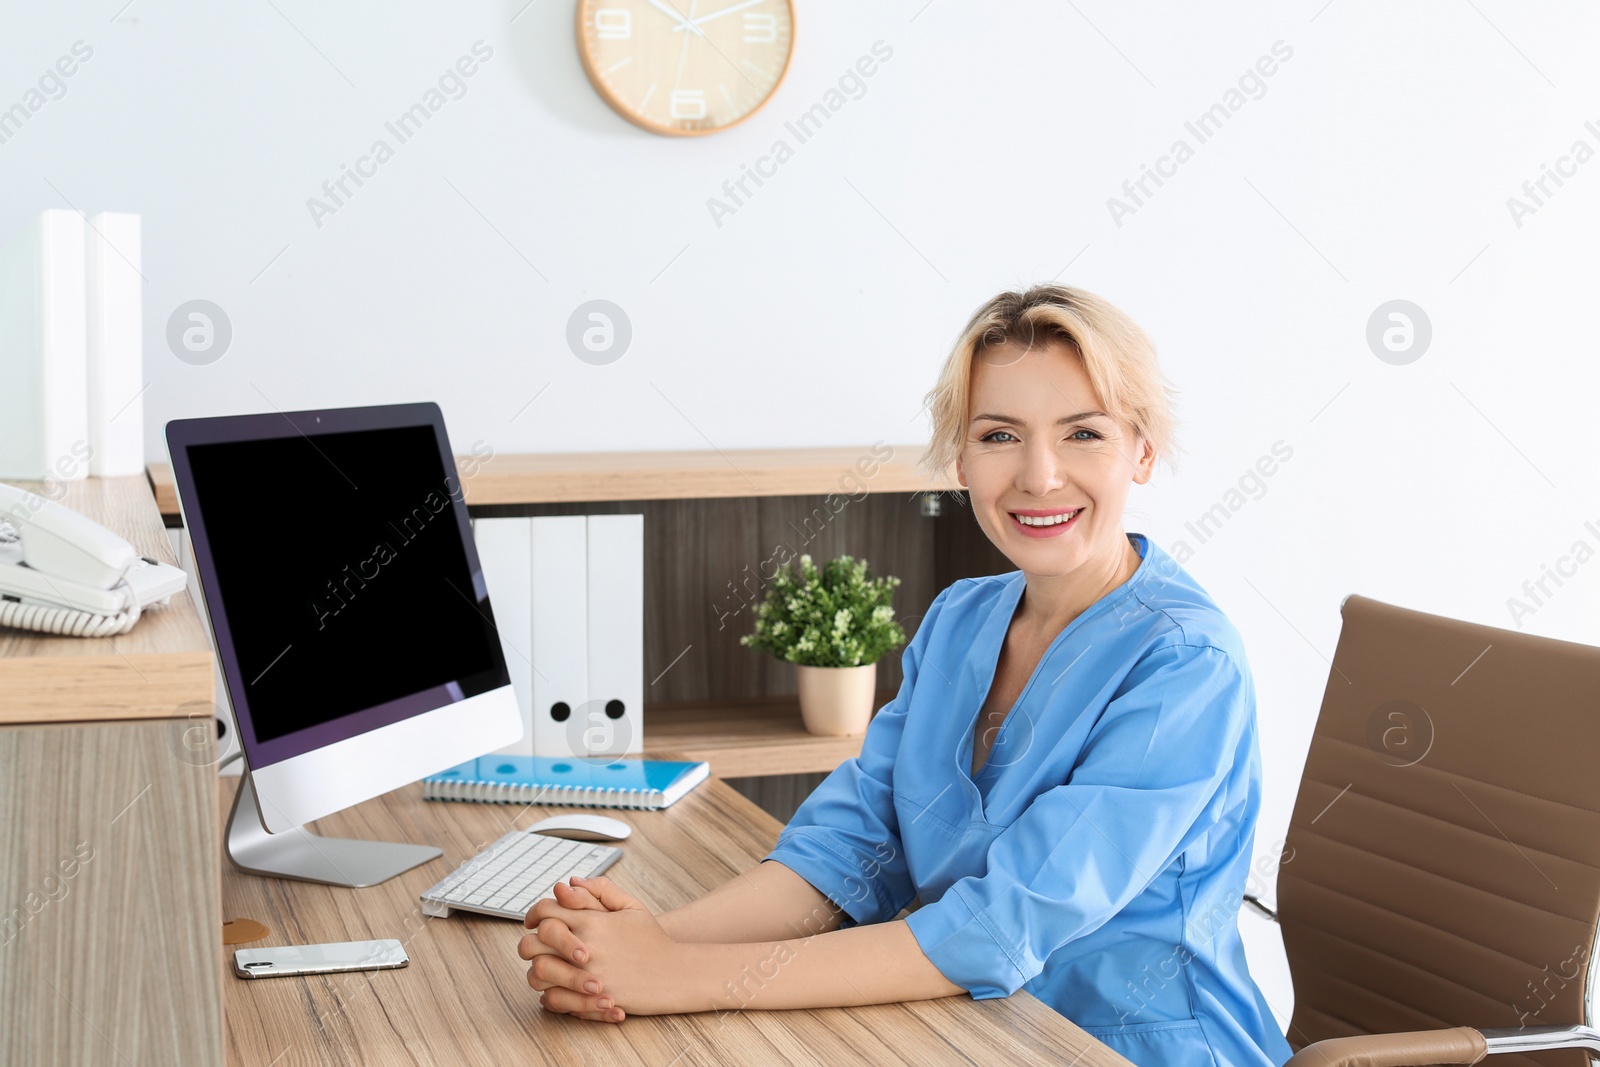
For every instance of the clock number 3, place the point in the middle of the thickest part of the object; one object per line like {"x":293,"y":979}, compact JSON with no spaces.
{"x":760,"y":28}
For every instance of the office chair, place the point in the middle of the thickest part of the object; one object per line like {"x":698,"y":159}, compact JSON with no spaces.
{"x":1439,"y":893}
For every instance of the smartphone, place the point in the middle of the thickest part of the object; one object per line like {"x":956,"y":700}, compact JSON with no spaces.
{"x":319,"y":959}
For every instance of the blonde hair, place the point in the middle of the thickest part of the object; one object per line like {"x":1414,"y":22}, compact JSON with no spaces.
{"x":1118,"y":356}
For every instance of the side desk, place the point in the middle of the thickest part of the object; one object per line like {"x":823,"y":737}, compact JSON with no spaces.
{"x":464,"y":998}
{"x":109,"y":909}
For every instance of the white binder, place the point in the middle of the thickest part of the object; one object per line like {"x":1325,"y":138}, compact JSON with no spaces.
{"x":614,"y":713}
{"x":560,"y":633}
{"x":44,"y":407}
{"x":505,"y":549}
{"x":115,"y":345}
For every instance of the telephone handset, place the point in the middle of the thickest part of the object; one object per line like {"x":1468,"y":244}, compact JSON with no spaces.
{"x":63,"y":573}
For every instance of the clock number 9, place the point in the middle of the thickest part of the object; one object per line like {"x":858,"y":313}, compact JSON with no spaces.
{"x":613,"y":24}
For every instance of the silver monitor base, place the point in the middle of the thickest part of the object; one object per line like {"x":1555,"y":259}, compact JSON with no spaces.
{"x":303,"y":855}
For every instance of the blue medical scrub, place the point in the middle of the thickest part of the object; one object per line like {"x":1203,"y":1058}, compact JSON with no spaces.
{"x":1099,"y":859}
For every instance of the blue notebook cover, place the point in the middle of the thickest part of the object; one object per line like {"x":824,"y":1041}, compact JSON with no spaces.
{"x":589,"y":782}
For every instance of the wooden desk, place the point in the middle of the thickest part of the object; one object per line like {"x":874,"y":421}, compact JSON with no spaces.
{"x":147,"y":673}
{"x":108,"y":852}
{"x":465,"y":1000}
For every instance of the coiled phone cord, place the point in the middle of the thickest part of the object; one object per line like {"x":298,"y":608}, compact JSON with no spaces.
{"x":68,"y":622}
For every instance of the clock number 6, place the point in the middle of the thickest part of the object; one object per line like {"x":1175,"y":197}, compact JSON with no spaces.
{"x":688,"y":104}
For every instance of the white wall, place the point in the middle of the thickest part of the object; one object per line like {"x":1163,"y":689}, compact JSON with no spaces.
{"x":1377,"y":165}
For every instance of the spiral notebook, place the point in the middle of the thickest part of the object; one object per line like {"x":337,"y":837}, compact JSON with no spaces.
{"x":590,"y":783}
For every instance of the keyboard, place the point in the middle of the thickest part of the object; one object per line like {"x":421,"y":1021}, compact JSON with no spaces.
{"x":511,"y":875}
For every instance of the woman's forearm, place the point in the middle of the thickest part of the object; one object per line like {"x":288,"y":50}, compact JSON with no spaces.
{"x":877,"y":964}
{"x":769,"y":902}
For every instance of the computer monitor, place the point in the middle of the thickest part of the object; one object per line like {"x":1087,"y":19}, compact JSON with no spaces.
{"x":351,"y":621}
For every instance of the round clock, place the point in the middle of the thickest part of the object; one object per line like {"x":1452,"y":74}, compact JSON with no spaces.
{"x":685,"y":67}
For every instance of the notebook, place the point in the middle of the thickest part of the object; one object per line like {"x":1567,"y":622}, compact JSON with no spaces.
{"x":591,"y":783}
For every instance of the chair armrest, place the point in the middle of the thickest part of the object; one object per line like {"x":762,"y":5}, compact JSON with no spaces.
{"x":1536,"y":1038}
{"x":1255,"y":902}
{"x":1420,"y":1048}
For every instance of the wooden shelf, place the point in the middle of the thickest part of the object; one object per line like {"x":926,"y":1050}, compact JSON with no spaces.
{"x":164,"y":488}
{"x":585,"y":477}
{"x":747,"y":738}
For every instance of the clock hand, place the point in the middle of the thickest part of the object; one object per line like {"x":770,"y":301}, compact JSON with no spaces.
{"x":695,"y":24}
{"x":683,"y":23}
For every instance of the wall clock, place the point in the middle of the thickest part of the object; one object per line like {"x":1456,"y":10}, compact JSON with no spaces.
{"x":685,"y":67}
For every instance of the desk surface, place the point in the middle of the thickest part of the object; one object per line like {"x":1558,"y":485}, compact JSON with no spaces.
{"x":152,"y":671}
{"x":465,"y":999}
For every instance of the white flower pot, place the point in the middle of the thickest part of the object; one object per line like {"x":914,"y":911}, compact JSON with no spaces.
{"x":837,"y":701}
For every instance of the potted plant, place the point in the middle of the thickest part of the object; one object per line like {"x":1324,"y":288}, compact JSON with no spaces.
{"x":833,"y":624}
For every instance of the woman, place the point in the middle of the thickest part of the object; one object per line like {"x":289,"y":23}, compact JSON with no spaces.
{"x":1068,"y":780}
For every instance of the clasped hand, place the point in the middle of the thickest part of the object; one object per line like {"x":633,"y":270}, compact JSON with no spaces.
{"x":598,"y":953}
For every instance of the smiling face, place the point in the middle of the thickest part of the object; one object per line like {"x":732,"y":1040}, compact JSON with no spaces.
{"x":1046,"y":469}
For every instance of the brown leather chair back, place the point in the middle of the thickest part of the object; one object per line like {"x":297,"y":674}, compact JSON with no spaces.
{"x":1442,"y":866}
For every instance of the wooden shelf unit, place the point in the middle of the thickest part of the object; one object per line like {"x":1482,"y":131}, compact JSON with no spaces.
{"x":712,"y":519}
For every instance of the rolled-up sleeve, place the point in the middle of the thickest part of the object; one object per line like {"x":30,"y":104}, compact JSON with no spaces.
{"x":1137,"y":798}
{"x":845,"y":838}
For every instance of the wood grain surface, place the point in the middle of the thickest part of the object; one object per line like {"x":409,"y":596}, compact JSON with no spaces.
{"x":109,"y":909}
{"x":553,"y":477}
{"x":464,"y":998}
{"x":748,"y":738}
{"x":152,"y":671}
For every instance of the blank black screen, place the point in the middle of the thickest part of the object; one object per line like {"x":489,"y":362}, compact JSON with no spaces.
{"x":341,"y":571}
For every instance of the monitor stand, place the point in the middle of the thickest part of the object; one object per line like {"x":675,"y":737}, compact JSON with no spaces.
{"x":300,"y":854}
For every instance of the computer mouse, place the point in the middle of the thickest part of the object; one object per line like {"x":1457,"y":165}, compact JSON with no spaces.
{"x":583,"y":827}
